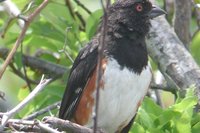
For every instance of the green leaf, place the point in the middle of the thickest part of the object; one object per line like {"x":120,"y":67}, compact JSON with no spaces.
{"x":151,"y":107}
{"x":60,"y":19}
{"x":186,"y":103}
{"x":196,"y":128}
{"x":144,"y":118}
{"x":182,"y":123}
{"x":195,"y":119}
{"x":18,"y":60}
{"x":92,"y":23}
{"x":195,"y":47}
{"x":23,"y":93}
{"x":165,"y":118}
{"x":42,"y":42}
{"x":137,"y":128}
{"x":49,"y":95}
{"x":46,"y":29}
{"x":190,"y":92}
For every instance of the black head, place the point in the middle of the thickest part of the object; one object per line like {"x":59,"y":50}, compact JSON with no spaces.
{"x":132,"y":16}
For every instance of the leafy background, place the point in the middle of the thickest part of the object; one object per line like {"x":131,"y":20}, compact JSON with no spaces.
{"x":56,"y":32}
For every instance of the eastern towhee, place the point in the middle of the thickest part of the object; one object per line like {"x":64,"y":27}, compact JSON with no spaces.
{"x":126,"y":74}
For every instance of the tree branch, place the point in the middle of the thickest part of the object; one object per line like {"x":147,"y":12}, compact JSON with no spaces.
{"x":45,"y":67}
{"x":101,"y":48}
{"x":13,"y":11}
{"x":6,"y":116}
{"x":46,"y":128}
{"x":49,"y":124}
{"x":83,"y":6}
{"x":174,"y":61}
{"x":42,"y":111}
{"x":65,"y":125}
{"x":30,"y":126}
{"x":21,"y":36}
{"x":163,"y":87}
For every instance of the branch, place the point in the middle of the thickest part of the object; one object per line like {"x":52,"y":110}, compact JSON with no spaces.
{"x":174,"y":61}
{"x":6,"y":116}
{"x":73,"y":13}
{"x":101,"y":48}
{"x":65,"y":125}
{"x":42,"y":111}
{"x":45,"y":67}
{"x":21,"y":36}
{"x":30,"y":126}
{"x":49,"y":124}
{"x":13,"y":11}
{"x":46,"y":128}
{"x":182,"y":17}
{"x":163,"y":87}
{"x":23,"y":125}
{"x":83,"y":6}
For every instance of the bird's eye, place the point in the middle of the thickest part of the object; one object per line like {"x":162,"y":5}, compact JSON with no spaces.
{"x":139,"y":7}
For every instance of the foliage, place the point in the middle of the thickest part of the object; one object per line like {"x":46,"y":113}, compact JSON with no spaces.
{"x":54,"y":30}
{"x":178,"y":118}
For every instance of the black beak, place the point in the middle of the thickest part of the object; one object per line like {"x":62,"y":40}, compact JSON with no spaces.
{"x":156,"y":11}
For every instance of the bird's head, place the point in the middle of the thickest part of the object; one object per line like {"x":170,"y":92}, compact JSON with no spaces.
{"x":132,"y":16}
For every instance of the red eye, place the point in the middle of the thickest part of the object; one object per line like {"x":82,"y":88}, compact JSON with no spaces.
{"x":139,"y":7}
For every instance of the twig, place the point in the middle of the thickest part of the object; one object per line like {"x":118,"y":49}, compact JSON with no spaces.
{"x":42,"y":111}
{"x":158,"y":98}
{"x":20,"y":74}
{"x":25,"y":72}
{"x":21,"y":105}
{"x":22,"y":125}
{"x":64,"y":49}
{"x":3,"y":54}
{"x":197,"y":12}
{"x":21,"y":36}
{"x":49,"y":124}
{"x":46,"y":127}
{"x":72,"y":13}
{"x":163,"y":87}
{"x":80,"y":17}
{"x":100,"y":57}
{"x":25,"y":128}
{"x":30,"y":126}
{"x":83,"y":6}
{"x":13,"y":11}
{"x":2,"y":95}
{"x":65,"y":125}
{"x":68,"y":4}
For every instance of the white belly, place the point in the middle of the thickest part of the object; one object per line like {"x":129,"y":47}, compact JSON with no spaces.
{"x":119,"y":98}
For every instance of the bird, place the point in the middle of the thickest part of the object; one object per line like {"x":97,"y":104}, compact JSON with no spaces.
{"x":126,"y":75}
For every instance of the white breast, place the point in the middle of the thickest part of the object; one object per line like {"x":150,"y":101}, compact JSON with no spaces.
{"x":119,"y":98}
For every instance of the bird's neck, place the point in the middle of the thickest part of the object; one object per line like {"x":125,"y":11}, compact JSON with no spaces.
{"x":129,"y":50}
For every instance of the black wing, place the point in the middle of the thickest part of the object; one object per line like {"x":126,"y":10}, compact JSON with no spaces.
{"x":82,"y":68}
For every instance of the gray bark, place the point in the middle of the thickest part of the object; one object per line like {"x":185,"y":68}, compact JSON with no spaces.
{"x":172,"y":58}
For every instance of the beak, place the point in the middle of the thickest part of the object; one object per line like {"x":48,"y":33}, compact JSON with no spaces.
{"x":156,"y":11}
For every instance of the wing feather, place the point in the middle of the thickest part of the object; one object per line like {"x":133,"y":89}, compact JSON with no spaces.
{"x":81,"y":70}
